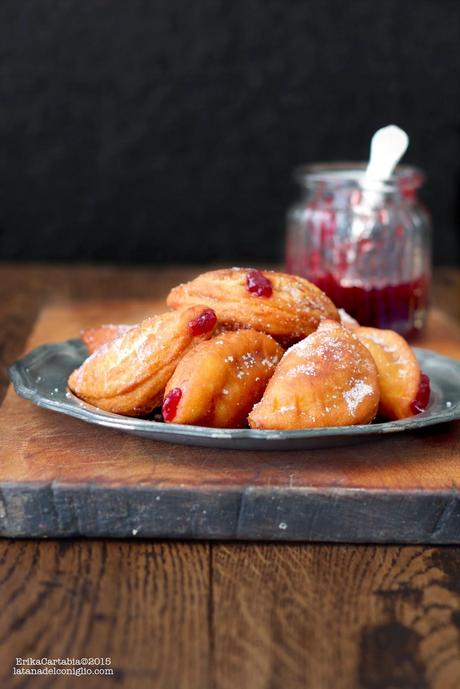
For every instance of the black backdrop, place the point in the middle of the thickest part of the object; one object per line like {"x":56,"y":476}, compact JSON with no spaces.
{"x":158,"y":130}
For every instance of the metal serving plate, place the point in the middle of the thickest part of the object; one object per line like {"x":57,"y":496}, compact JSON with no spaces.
{"x":41,"y":376}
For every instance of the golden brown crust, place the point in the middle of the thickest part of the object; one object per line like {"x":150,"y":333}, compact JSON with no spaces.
{"x":398,"y":369}
{"x":327,"y":379}
{"x":97,"y":337}
{"x":221,"y":379}
{"x":128,"y":376}
{"x":294,"y":309}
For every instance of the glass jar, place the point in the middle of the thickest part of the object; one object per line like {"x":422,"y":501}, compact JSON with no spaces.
{"x":367,"y":245}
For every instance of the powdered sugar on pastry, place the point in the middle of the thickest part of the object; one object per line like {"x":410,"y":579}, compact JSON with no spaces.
{"x":355,"y":395}
{"x":327,"y":379}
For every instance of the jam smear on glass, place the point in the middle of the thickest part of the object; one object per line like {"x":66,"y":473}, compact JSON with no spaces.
{"x":170,"y":404}
{"x":258,"y":285}
{"x":423,"y":395}
{"x":203,"y":323}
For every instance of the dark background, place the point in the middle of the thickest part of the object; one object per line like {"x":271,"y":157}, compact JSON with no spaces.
{"x":162,"y":130}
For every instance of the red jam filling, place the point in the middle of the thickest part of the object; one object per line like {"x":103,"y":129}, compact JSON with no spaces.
{"x":423,"y":395}
{"x":258,"y":285}
{"x":170,"y":404}
{"x":203,"y":323}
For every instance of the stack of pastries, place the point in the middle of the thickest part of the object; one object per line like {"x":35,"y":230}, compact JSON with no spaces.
{"x":246,"y":347}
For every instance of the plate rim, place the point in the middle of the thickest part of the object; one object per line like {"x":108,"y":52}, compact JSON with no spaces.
{"x":18,"y":376}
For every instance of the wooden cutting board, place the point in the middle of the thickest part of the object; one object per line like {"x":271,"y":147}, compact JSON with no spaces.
{"x":62,"y":477}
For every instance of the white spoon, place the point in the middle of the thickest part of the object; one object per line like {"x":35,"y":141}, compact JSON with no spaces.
{"x":388,"y":146}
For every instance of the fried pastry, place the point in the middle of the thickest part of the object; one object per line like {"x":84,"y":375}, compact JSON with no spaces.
{"x":96,"y":337}
{"x":217,"y":383}
{"x":404,"y":389}
{"x":327,"y":379}
{"x":128,"y":376}
{"x":284,"y":306}
{"x":347,"y":320}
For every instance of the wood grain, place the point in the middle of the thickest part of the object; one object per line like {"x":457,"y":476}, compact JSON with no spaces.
{"x":319,"y":617}
{"x":143,"y":605}
{"x":333,"y":617}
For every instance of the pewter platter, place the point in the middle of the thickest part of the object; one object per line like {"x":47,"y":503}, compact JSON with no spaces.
{"x":41,"y":377}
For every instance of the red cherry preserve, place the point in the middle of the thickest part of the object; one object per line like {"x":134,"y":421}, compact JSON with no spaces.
{"x":367,"y":247}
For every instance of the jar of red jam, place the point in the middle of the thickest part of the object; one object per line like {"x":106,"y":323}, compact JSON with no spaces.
{"x":366,"y":244}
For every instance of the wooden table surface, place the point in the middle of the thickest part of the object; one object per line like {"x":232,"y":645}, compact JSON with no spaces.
{"x":198,"y":615}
